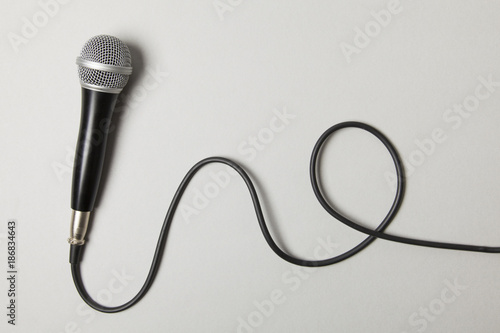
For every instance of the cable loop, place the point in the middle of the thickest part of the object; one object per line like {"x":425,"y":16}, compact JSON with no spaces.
{"x":316,"y":185}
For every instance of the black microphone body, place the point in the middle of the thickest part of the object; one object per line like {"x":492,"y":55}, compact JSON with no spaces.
{"x":104,"y":66}
{"x":97,"y":110}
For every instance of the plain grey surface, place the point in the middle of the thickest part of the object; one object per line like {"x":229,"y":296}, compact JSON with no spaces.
{"x":258,"y":82}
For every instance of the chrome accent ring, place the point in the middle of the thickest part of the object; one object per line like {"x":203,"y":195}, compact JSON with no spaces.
{"x":103,"y":67}
{"x":73,"y":241}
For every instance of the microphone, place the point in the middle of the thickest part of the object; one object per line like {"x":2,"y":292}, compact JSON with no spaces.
{"x":104,"y":66}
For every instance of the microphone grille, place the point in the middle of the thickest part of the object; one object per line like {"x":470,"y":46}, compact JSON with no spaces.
{"x":104,"y":50}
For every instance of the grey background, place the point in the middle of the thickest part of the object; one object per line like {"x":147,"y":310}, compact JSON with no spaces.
{"x":228,"y":69}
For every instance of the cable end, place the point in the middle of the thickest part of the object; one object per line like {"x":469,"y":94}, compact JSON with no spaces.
{"x":75,"y":254}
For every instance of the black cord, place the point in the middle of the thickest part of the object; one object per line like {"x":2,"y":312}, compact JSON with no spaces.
{"x":75,"y":251}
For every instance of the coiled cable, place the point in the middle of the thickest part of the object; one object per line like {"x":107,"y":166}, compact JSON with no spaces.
{"x":75,"y":251}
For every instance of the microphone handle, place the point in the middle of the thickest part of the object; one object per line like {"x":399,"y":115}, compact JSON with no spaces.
{"x":97,"y":110}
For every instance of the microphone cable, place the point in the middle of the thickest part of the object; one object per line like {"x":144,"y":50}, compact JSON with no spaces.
{"x":76,"y":250}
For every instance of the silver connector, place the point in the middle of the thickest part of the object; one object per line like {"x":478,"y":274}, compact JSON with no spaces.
{"x":79,"y":225}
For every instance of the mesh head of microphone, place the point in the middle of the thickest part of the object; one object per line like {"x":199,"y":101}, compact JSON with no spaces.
{"x":107,"y":50}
